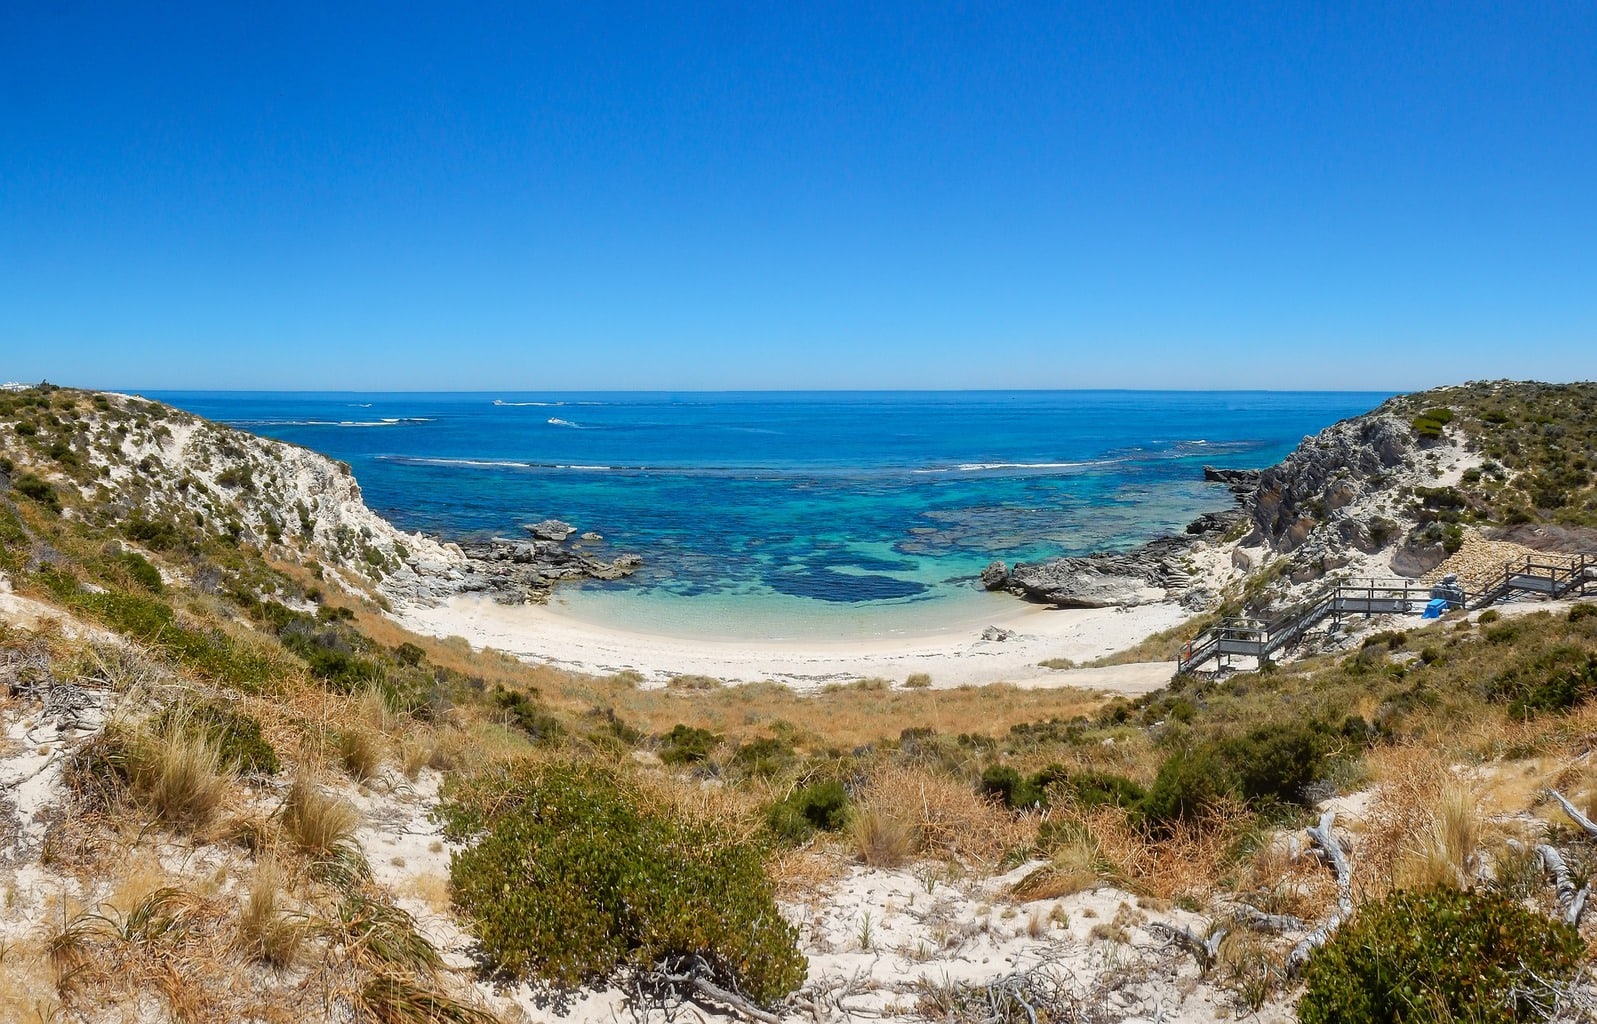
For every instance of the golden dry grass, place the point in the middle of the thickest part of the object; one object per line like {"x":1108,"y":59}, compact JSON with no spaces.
{"x":317,"y":821}
{"x":905,"y":811}
{"x":266,"y":931}
{"x":1424,"y":825}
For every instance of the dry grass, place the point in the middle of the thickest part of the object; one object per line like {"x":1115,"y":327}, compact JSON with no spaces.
{"x":1077,"y":864}
{"x":265,"y":931}
{"x":360,"y":752}
{"x":1189,"y":863}
{"x":884,"y":836}
{"x":178,"y":775}
{"x":318,"y":821}
{"x":1425,"y":825}
{"x":27,"y":984}
{"x":905,"y":811}
{"x":1446,"y":850}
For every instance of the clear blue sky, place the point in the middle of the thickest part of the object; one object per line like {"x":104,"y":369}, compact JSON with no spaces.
{"x":775,"y":195}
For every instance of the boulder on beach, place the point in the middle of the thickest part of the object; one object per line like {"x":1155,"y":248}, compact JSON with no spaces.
{"x":995,"y":576}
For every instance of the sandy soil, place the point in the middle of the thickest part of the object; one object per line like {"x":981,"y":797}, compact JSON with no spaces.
{"x":955,"y":656}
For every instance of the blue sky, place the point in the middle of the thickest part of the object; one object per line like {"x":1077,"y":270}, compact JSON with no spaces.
{"x":803,"y":195}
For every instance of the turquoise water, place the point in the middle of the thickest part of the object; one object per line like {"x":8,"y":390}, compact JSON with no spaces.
{"x":795,"y":514}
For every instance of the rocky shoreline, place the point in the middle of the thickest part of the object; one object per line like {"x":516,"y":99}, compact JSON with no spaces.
{"x":510,"y":570}
{"x":1151,"y":572}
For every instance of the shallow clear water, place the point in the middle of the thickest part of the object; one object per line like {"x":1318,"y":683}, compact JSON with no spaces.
{"x":795,"y":514}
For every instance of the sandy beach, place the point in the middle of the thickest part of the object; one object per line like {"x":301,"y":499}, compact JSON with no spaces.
{"x":952,"y":656}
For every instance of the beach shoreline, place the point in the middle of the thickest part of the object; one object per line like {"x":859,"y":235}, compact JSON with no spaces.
{"x":954,"y":655}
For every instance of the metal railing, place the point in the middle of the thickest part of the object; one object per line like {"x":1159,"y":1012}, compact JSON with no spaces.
{"x":1248,"y":638}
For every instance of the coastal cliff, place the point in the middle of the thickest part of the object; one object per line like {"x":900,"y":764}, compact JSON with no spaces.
{"x":165,"y":478}
{"x":1393,"y":492}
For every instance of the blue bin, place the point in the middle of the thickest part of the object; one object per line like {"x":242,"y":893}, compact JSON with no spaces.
{"x":1435,"y":607}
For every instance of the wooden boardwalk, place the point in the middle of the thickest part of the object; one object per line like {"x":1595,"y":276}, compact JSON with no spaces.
{"x":1236,"y":637}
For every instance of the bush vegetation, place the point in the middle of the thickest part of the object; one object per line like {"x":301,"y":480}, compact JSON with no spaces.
{"x":576,"y":876}
{"x":1438,"y":954}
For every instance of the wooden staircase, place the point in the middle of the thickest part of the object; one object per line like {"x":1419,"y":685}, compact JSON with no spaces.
{"x":1236,"y":637}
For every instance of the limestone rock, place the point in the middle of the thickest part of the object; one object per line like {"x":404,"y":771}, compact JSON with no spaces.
{"x":551,"y":529}
{"x":995,"y":576}
{"x":1417,"y":557}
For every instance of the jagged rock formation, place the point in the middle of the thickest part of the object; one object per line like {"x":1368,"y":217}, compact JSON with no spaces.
{"x":1342,"y":498}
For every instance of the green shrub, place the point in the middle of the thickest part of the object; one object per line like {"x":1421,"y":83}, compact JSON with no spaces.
{"x":820,"y":806}
{"x":1489,"y":615}
{"x":1552,"y":680}
{"x":1189,"y":783}
{"x":1095,"y":789}
{"x":39,"y":490}
{"x":1273,"y":764}
{"x":1010,"y":787}
{"x":686,"y":744}
{"x":529,"y":715}
{"x":577,"y":879}
{"x":140,"y":571}
{"x":1437,"y":954}
{"x":1582,"y":611}
{"x":236,"y":735}
{"x":765,"y":757}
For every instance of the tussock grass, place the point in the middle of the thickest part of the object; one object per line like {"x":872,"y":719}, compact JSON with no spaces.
{"x":360,"y":752}
{"x":908,"y":810}
{"x":317,"y":821}
{"x":266,"y":931}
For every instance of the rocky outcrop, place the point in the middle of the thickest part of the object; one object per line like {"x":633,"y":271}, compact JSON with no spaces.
{"x":165,"y":469}
{"x":1150,"y":573}
{"x":995,"y":576}
{"x":551,"y":529}
{"x":1327,"y":472}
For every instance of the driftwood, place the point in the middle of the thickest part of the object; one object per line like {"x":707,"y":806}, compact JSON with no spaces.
{"x":689,"y":976}
{"x":1331,"y":851}
{"x":1571,"y":901}
{"x":1259,"y":921}
{"x":1585,"y":823}
{"x":1204,"y":949}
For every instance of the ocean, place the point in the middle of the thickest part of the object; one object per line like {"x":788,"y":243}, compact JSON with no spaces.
{"x":795,"y":515}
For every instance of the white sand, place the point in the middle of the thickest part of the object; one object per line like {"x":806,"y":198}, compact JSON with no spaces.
{"x":952,"y":656}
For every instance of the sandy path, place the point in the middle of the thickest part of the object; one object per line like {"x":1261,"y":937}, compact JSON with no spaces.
{"x":952,"y":656}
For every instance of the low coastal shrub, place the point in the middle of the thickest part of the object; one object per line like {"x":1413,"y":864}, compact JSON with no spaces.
{"x":139,"y":571}
{"x":236,"y":735}
{"x":818,"y":807}
{"x":1009,"y":787}
{"x":1438,"y":954}
{"x":686,"y":744}
{"x":1551,"y":680}
{"x":1268,"y":767}
{"x":765,"y":757}
{"x":37,"y":489}
{"x":528,"y":714}
{"x":576,"y":878}
{"x":1429,"y":423}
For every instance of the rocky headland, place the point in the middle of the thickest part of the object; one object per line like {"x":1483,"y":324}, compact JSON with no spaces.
{"x":167,"y":474}
{"x":1395,"y":492}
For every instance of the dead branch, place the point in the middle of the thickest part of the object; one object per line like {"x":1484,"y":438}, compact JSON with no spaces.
{"x":1256,"y":919}
{"x":1585,"y":823}
{"x":1331,"y":851}
{"x":1204,"y":949}
{"x":1571,"y":901}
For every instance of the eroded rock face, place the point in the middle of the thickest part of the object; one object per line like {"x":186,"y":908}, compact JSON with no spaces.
{"x":1327,"y":472}
{"x":995,"y":576}
{"x":1417,"y":557}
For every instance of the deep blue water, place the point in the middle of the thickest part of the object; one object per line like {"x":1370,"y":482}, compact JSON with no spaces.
{"x":799,"y":504}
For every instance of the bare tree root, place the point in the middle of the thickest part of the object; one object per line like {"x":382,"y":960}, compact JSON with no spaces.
{"x":1331,"y":852}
